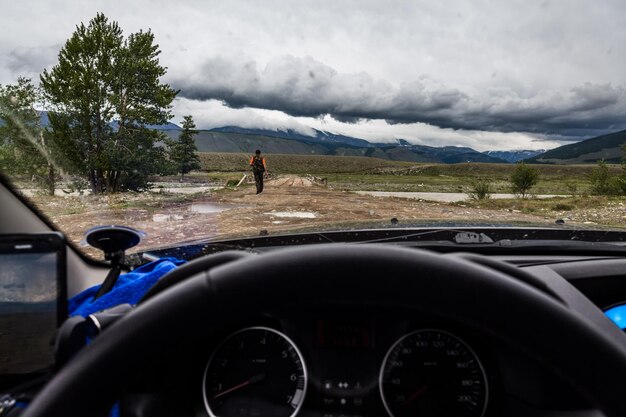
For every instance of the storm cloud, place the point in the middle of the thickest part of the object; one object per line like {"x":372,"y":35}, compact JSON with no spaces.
{"x":306,"y":87}
{"x":303,"y":86}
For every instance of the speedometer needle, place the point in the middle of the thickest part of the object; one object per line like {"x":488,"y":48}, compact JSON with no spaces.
{"x":416,"y":394}
{"x":254,"y":379}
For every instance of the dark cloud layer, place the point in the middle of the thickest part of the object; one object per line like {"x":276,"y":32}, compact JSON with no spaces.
{"x":306,"y":87}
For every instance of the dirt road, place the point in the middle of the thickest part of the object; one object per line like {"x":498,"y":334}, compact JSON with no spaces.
{"x":287,"y":203}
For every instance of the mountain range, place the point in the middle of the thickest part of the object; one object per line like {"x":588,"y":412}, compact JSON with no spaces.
{"x":238,"y":139}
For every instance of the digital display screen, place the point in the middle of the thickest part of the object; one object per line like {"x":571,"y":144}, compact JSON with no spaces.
{"x":31,"y":303}
{"x":345,"y":359}
{"x":343,"y":334}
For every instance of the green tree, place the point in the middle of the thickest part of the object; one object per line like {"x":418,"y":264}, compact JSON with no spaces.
{"x":523,"y":178}
{"x":105,"y":92}
{"x":24,"y":149}
{"x":183,"y":152}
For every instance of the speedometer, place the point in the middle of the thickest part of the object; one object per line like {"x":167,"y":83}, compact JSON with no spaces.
{"x":431,"y":373}
{"x":256,"y":371}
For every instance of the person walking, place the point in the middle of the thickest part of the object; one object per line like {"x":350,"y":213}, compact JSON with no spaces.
{"x":257,"y":162}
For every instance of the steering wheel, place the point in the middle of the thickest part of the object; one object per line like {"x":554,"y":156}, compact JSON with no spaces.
{"x":591,"y":359}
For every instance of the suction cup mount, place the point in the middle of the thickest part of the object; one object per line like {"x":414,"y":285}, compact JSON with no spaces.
{"x":114,"y":241}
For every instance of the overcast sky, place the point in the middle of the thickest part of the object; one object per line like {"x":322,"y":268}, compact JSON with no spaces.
{"x":499,"y":74}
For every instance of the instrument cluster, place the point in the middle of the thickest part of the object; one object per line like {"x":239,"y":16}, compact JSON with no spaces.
{"x":336,"y":367}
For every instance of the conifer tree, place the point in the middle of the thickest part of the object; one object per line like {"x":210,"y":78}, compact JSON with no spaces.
{"x":105,"y":93}
{"x":183,"y":153}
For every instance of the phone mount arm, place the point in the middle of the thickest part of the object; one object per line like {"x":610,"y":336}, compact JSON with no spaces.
{"x":113,"y":241}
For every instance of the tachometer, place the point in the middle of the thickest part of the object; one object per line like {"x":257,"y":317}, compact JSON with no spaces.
{"x":256,"y":371}
{"x":431,"y":373}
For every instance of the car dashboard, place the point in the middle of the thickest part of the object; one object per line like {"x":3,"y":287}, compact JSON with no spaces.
{"x":351,"y":358}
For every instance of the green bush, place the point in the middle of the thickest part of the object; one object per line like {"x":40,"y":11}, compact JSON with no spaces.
{"x":523,"y":178}
{"x":603,"y":183}
{"x":481,"y":189}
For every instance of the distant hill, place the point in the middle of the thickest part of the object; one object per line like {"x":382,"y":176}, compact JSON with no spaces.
{"x":238,"y":139}
{"x":234,"y":139}
{"x":514,"y":156}
{"x":607,"y":147}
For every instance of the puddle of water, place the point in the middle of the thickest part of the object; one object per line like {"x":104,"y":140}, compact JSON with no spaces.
{"x":294,"y":214}
{"x":207,"y":208}
{"x":201,"y":208}
{"x":166,"y":217}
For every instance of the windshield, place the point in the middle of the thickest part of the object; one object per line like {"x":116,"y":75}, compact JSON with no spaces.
{"x":208,"y":121}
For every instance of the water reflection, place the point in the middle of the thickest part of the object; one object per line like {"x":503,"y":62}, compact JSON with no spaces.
{"x":207,"y":208}
{"x":186,"y":211}
{"x":160,"y":217}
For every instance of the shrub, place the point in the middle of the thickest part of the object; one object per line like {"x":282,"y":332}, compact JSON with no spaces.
{"x":481,"y":189}
{"x":523,"y":178}
{"x":602,"y":183}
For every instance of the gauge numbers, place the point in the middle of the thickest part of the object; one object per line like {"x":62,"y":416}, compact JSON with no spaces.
{"x":431,"y":373}
{"x":256,"y":371}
